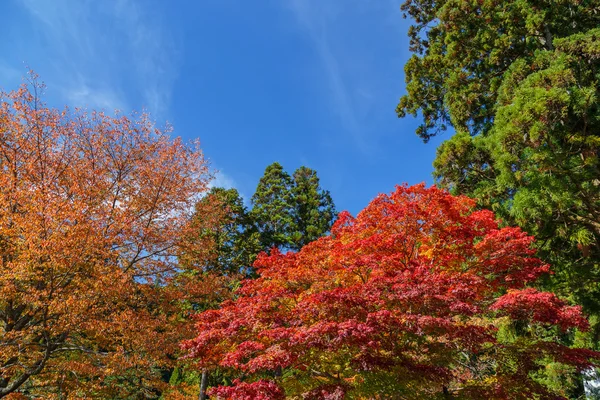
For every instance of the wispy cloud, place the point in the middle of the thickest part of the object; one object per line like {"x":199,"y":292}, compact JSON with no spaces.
{"x":111,"y":55}
{"x":223,"y":180}
{"x":155,"y":50}
{"x":79,"y":93}
{"x":355,"y":62}
{"x":315,"y":17}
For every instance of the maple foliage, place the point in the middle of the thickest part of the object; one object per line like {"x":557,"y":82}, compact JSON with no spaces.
{"x":92,"y":209}
{"x":404,"y":300}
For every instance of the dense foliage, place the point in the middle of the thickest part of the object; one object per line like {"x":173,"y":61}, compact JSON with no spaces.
{"x":91,"y":211}
{"x":116,"y":259}
{"x":226,"y":238}
{"x":291,"y":211}
{"x":419,"y":296}
{"x":518,"y":81}
{"x":224,"y":233}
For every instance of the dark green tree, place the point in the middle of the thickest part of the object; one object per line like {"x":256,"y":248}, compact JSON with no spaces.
{"x":224,"y":233}
{"x":290,"y":211}
{"x":463,"y":48}
{"x":313,"y":208}
{"x":272,"y":207}
{"x":519,"y":82}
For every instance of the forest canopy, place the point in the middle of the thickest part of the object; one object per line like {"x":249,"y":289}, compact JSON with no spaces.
{"x":126,"y":272}
{"x":419,"y":296}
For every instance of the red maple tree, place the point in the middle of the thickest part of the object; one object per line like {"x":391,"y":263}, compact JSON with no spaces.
{"x":407,"y":300}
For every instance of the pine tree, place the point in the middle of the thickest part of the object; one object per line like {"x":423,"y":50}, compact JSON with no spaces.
{"x":272,"y":207}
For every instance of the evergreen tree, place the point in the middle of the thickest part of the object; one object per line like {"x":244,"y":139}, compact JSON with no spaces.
{"x":290,"y":211}
{"x":313,"y":208}
{"x":518,"y":80}
{"x":220,"y":251}
{"x":224,"y":226}
{"x":463,"y":48}
{"x":272,"y":207}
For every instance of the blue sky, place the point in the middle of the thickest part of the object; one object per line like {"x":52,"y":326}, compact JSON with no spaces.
{"x":301,"y":82}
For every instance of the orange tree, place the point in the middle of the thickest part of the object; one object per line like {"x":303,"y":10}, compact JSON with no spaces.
{"x":419,"y":296}
{"x":91,"y":211}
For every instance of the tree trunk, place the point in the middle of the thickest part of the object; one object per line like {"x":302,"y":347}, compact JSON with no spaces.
{"x":446,"y":392}
{"x":203,"y":384}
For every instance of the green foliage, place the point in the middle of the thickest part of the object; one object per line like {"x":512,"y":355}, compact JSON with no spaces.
{"x":223,"y":222}
{"x":291,"y":211}
{"x":272,"y":207}
{"x":518,"y":80}
{"x":313,"y":208}
{"x":287,"y":213}
{"x":462,"y":49}
{"x":185,"y":381}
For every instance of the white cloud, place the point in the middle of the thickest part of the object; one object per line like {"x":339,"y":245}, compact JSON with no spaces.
{"x":80,"y":94}
{"x":111,"y":55}
{"x":223,"y":180}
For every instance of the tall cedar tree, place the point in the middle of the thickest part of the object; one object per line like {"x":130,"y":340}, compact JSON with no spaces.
{"x":291,"y":211}
{"x":288,"y":213}
{"x":313,"y":210}
{"x":418,"y":297}
{"x":518,"y":81}
{"x":92,"y":211}
{"x":272,"y":207}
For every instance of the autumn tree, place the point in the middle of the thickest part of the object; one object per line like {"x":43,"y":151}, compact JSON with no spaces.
{"x":290,"y":211}
{"x":221,"y":219}
{"x":221,"y":247}
{"x":518,"y":82}
{"x":92,"y":211}
{"x":420,"y":296}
